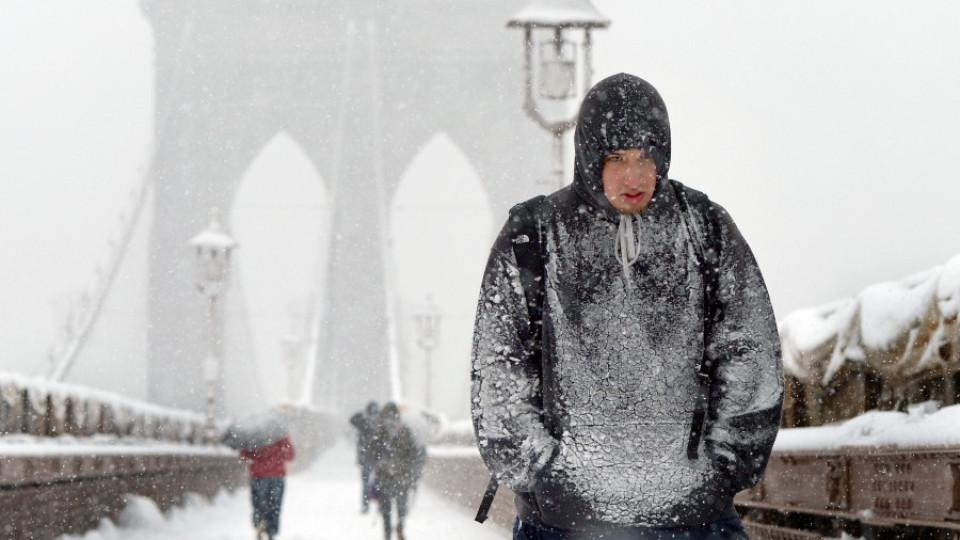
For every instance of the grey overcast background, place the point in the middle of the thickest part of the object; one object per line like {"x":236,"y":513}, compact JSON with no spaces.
{"x":830,"y":130}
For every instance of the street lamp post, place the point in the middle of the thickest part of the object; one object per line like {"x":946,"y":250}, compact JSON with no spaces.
{"x":548,"y":26}
{"x":212,"y":248}
{"x":428,"y":337}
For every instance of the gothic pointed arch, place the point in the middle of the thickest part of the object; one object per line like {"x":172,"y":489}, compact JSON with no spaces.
{"x":280,"y":217}
{"x":440,"y":236}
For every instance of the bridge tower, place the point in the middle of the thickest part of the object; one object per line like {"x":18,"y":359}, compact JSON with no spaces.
{"x":361,"y":85}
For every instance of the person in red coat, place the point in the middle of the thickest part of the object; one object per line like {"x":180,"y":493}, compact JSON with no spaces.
{"x":268,"y":466}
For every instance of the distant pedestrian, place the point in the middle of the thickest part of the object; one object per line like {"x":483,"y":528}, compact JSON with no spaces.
{"x":268,"y":467}
{"x":367,"y":423}
{"x":264,"y":442}
{"x":400,"y":458}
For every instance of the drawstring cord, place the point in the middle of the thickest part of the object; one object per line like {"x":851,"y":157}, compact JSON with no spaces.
{"x":626,"y":245}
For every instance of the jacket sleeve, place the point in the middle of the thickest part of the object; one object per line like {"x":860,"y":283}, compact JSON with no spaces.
{"x":506,"y":383}
{"x":747,"y":392}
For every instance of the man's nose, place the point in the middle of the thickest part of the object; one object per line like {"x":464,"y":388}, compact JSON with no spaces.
{"x":633,"y":176}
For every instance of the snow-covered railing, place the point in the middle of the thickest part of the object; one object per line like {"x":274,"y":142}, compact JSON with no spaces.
{"x":41,"y":408}
{"x":77,"y":453}
{"x":896,"y":328}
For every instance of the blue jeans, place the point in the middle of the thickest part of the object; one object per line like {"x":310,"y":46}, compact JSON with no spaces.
{"x":718,"y":530}
{"x":365,"y":470}
{"x":267,"y":496}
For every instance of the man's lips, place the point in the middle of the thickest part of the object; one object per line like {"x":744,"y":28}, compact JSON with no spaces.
{"x":633,"y":197}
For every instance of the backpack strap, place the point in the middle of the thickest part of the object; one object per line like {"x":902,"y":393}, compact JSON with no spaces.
{"x":527,"y":249}
{"x":487,"y":500}
{"x":524,"y":230}
{"x":706,"y":248}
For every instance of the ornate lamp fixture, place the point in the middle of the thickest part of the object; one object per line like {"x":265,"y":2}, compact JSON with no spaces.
{"x":557,"y":32}
{"x":428,"y":337}
{"x":212,"y":248}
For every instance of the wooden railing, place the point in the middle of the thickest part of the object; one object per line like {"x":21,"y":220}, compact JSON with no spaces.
{"x":875,"y":492}
{"x":71,"y":456}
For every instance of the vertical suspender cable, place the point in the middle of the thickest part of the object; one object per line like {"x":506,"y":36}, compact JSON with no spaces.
{"x":390,"y":308}
{"x":86,"y":311}
{"x":318,"y":313}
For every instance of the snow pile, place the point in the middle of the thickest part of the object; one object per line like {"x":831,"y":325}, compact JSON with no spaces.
{"x":141,"y":518}
{"x":811,"y":339}
{"x":142,"y":512}
{"x":923,"y":426}
{"x":896,"y":327}
{"x":888,"y":310}
{"x":948,"y":289}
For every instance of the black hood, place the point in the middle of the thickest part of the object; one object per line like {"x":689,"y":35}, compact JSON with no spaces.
{"x":618,"y":113}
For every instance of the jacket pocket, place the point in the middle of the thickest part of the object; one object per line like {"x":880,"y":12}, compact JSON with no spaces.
{"x":629,"y":474}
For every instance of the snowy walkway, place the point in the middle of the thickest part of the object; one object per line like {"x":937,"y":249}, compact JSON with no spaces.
{"x":321,"y":503}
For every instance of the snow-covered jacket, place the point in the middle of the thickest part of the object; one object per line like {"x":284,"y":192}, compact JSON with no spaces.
{"x":399,"y":459}
{"x":594,"y":435}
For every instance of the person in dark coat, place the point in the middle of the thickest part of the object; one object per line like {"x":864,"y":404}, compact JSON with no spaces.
{"x":400,"y":459}
{"x":268,"y":467}
{"x":586,"y":414}
{"x":367,"y":423}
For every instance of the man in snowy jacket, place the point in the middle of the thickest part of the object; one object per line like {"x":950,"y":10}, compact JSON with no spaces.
{"x":590,"y":423}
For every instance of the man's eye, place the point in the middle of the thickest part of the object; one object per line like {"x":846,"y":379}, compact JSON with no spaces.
{"x":613,"y":157}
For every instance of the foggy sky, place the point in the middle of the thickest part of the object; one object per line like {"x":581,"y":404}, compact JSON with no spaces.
{"x":828,"y":129}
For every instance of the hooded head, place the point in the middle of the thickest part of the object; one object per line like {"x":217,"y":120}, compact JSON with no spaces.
{"x":619,"y":113}
{"x":390,"y":412}
{"x":372,"y":408}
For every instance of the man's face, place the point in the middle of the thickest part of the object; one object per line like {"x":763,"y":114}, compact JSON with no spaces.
{"x":629,"y":178}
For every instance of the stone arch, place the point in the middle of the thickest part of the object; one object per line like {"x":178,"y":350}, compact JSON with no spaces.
{"x":440,"y":235}
{"x":279,"y":218}
{"x":358,"y":84}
